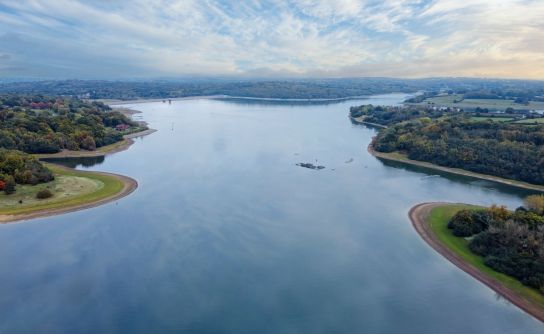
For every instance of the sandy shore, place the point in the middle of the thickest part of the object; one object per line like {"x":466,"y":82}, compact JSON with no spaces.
{"x":457,"y":171}
{"x":129,"y":185}
{"x":419,"y":214}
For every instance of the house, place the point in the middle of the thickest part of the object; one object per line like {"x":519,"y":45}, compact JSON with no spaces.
{"x":122,"y":127}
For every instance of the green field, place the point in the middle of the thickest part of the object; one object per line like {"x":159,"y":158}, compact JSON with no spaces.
{"x":531,"y":121}
{"x":438,"y":221}
{"x":495,"y":119}
{"x":70,"y":188}
{"x":492,"y":104}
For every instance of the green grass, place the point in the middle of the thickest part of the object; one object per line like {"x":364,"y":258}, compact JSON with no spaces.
{"x":105,"y":186}
{"x":438,"y":221}
{"x":495,"y":119}
{"x":444,"y":99}
{"x":531,"y":121}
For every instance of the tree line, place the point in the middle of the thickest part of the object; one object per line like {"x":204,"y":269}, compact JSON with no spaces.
{"x":388,"y":115}
{"x":507,"y":150}
{"x":39,"y":124}
{"x":292,"y":88}
{"x":18,"y":167}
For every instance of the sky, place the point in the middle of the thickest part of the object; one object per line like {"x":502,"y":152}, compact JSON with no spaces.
{"x":114,"y":39}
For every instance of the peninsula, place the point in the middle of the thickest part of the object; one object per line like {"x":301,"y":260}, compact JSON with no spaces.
{"x":38,"y":127}
{"x":432,"y":223}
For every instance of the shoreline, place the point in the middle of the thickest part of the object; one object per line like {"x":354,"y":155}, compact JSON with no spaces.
{"x":359,"y":120}
{"x":419,"y":217}
{"x":129,"y":186}
{"x":456,"y":171}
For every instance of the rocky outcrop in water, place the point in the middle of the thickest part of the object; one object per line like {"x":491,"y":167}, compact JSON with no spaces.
{"x":310,"y":165}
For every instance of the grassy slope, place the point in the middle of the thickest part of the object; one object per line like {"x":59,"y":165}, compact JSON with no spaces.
{"x":111,"y":186}
{"x":438,"y":220}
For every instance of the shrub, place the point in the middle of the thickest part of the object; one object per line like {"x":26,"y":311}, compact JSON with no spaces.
{"x":43,"y":194}
{"x":535,"y":203}
{"x":462,"y":224}
{"x":9,"y":187}
{"x":467,"y":223}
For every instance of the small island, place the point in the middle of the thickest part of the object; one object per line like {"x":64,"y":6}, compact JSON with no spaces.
{"x":500,"y":248}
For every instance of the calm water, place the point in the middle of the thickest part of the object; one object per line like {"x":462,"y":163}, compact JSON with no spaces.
{"x":226,"y":235}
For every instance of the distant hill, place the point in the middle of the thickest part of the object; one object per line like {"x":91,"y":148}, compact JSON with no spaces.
{"x":284,"y":89}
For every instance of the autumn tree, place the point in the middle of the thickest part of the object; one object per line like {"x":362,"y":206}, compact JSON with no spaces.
{"x":9,"y":187}
{"x":535,"y":203}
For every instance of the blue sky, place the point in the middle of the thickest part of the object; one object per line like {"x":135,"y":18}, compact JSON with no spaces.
{"x":306,"y":38}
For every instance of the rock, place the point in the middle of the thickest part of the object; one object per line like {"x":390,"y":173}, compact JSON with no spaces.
{"x":310,"y":165}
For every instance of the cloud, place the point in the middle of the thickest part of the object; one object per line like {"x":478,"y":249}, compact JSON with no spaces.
{"x":408,"y":38}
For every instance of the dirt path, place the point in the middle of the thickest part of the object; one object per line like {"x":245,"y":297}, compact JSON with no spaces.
{"x":129,"y":185}
{"x":419,"y":214}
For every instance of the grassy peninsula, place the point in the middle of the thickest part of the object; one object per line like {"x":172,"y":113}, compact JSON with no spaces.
{"x":71,"y":190}
{"x":431,"y":221}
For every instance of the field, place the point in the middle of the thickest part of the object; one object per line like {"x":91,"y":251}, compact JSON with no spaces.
{"x":438,"y":221}
{"x":492,"y":104}
{"x":531,"y":121}
{"x":70,"y":188}
{"x":495,"y":119}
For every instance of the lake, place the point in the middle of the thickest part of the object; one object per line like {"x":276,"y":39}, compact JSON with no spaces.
{"x":225,"y":234}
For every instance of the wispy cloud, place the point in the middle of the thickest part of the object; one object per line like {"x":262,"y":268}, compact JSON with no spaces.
{"x":137,"y":38}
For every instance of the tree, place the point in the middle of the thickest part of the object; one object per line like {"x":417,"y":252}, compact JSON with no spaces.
{"x":88,"y":143}
{"x":535,"y":203}
{"x":9,"y":187}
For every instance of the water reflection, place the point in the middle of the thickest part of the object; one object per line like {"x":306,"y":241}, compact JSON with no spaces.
{"x":429,"y":173}
{"x":77,"y":161}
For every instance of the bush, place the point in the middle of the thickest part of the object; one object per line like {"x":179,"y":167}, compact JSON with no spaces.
{"x":43,"y":194}
{"x":535,"y":203}
{"x":466,"y":223}
{"x":9,"y":187}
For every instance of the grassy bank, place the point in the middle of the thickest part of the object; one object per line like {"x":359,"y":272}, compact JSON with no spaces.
{"x":71,"y":190}
{"x":438,"y":219}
